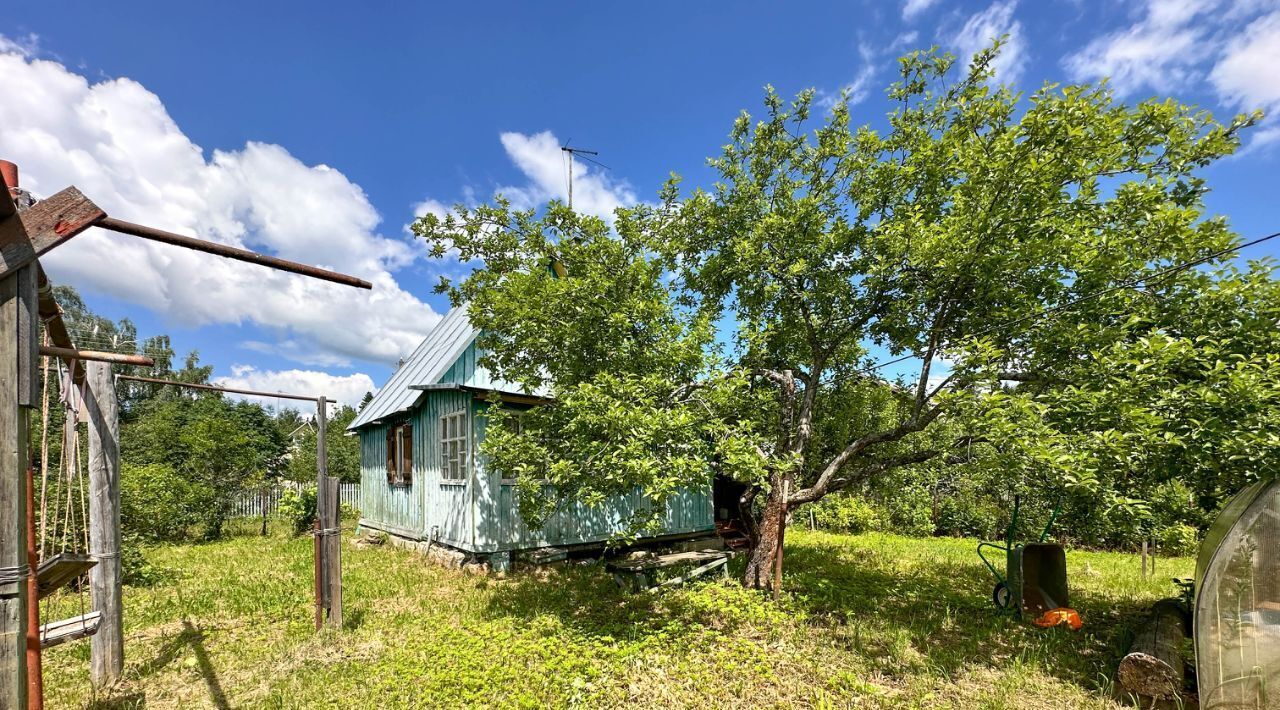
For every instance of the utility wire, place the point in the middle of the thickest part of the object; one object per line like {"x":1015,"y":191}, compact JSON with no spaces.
{"x":1090,"y":296}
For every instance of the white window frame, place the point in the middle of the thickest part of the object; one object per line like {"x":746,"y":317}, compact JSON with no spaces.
{"x":455,"y":448}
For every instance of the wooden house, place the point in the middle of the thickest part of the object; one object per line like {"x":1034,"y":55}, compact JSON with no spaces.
{"x":422,"y":478}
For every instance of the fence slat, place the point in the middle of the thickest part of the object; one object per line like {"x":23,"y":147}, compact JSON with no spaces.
{"x":256,"y":502}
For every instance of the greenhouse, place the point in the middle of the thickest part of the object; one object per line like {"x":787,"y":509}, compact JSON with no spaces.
{"x":1237,"y":603}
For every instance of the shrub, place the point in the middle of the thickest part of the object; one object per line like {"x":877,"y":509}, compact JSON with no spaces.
{"x":299,"y":507}
{"x":159,"y":505}
{"x":1178,"y":539}
{"x":908,"y":512}
{"x":846,"y":513}
{"x":966,"y":516}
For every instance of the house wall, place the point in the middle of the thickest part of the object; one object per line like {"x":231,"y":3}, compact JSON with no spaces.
{"x":396,"y":509}
{"x":482,"y":513}
{"x":500,"y":527}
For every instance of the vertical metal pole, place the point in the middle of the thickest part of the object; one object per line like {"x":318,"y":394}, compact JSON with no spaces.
{"x":35,"y":672}
{"x":106,"y":660}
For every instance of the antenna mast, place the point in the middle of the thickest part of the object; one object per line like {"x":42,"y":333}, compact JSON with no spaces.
{"x":574,"y":152}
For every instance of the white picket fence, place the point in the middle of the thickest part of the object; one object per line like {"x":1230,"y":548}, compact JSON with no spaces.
{"x":256,"y":502}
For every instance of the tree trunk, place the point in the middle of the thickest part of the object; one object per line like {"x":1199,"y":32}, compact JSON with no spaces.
{"x":764,"y":549}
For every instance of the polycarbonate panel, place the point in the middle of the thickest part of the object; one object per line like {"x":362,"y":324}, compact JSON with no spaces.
{"x":1238,"y":606}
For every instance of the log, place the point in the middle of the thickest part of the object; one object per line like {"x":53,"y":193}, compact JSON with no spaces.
{"x":106,"y":654}
{"x":1154,"y":667}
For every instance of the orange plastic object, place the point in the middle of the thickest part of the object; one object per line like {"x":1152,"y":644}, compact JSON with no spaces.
{"x":1058,"y":617}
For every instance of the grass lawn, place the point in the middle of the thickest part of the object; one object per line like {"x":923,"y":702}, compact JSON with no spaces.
{"x":868,"y":621}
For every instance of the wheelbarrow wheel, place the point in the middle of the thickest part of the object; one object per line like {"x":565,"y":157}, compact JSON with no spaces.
{"x":1000,"y":596}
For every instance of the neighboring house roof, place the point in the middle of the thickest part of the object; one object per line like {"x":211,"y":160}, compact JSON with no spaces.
{"x":428,"y":364}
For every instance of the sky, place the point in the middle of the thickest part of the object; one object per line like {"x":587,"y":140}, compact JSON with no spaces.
{"x":316,"y":131}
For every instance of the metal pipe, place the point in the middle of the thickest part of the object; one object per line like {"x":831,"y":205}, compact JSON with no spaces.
{"x":215,"y":388}
{"x":96,"y":356}
{"x":159,"y":235}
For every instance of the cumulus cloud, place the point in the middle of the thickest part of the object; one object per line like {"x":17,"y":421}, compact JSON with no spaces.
{"x":1247,"y":76}
{"x":344,"y":389}
{"x":116,"y":141}
{"x":545,"y":167}
{"x":982,"y":28}
{"x":911,"y":9}
{"x":1179,"y":45}
{"x":1160,"y":51}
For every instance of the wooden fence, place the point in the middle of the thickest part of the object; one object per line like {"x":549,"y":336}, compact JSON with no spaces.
{"x":256,"y":502}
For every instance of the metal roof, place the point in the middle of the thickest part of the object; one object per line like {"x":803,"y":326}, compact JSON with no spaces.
{"x":428,"y":363}
{"x":426,"y":366}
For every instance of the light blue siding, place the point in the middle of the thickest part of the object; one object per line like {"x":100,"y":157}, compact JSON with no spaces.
{"x":481,"y":514}
{"x":396,"y":509}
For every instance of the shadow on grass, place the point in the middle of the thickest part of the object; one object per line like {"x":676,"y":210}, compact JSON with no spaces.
{"x":933,"y":614}
{"x":191,"y":638}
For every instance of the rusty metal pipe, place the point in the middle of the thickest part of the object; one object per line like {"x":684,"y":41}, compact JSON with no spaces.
{"x":96,"y":355}
{"x":159,"y":235}
{"x":215,"y":388}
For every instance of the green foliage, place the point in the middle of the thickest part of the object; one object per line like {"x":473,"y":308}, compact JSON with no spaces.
{"x":1178,"y":539}
{"x":727,"y":329}
{"x":846,"y":514}
{"x":217,"y":445}
{"x":157,"y":504}
{"x":343,"y":451}
{"x":299,"y":508}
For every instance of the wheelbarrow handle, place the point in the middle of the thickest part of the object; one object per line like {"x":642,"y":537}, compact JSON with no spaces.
{"x":999,"y":577}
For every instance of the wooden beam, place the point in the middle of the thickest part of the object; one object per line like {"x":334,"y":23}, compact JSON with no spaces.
{"x":97,"y":356}
{"x":106,"y":660}
{"x":51,"y":315}
{"x":29,"y":233}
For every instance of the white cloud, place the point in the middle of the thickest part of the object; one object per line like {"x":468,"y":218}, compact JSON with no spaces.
{"x":860,"y":87}
{"x":344,"y":389}
{"x":982,"y":28}
{"x":117,"y":143}
{"x":1159,"y":52}
{"x":912,"y":9}
{"x":1248,"y":74}
{"x":539,"y":157}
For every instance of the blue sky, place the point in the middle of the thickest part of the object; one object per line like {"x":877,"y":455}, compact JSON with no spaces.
{"x":316,"y":130}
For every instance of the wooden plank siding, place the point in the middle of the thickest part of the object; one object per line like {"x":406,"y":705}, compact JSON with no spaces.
{"x":481,"y":514}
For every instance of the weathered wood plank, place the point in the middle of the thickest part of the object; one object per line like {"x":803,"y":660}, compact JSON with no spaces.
{"x":77,"y":627}
{"x":43,"y":226}
{"x":13,"y":465}
{"x":58,"y":571}
{"x":107,"y":651}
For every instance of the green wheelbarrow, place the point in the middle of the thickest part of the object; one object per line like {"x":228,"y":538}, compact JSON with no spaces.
{"x":1035,"y":577}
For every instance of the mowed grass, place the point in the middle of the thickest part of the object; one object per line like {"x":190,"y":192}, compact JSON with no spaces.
{"x":867,"y":621}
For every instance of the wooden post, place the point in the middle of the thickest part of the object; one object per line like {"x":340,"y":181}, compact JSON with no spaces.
{"x":1144,"y":559}
{"x":782,"y":532}
{"x":107,"y":647}
{"x":328,"y":515}
{"x":18,"y":319}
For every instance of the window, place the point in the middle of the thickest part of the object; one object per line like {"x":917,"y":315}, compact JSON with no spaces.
{"x":454,"y":449}
{"x":400,"y":455}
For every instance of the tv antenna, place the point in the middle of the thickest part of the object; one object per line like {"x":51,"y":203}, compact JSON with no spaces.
{"x":583,"y":153}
